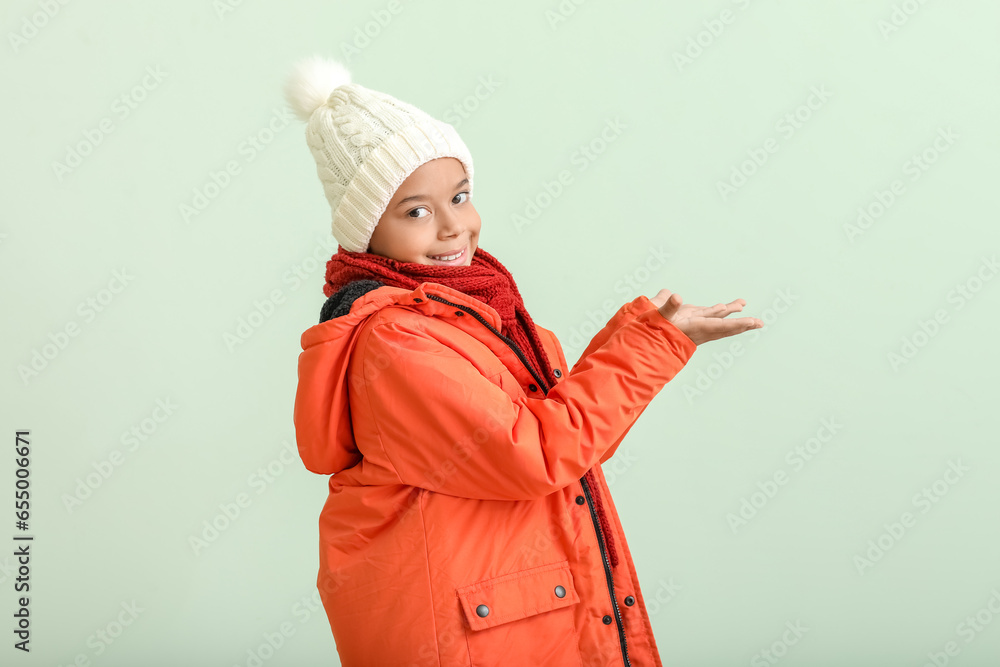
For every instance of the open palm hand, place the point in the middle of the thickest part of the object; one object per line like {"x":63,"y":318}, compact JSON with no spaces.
{"x":703,"y":323}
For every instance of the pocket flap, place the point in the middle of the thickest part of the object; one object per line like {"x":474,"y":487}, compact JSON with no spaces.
{"x":511,"y":597}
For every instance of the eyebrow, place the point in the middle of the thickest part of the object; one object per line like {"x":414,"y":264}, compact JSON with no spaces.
{"x":404,"y":200}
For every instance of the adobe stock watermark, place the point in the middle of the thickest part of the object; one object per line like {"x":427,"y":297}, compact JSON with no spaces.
{"x":620,"y":463}
{"x":537,"y":548}
{"x":927,"y":329}
{"x":723,"y":360}
{"x":231,"y":510}
{"x":122,"y":107}
{"x":627,"y":286}
{"x":786,"y":128}
{"x":368,"y":32}
{"x":779,"y":647}
{"x":914,"y":167}
{"x":582,"y":158}
{"x":223,"y":8}
{"x":664,"y":595}
{"x":895,"y":531}
{"x":293,"y":278}
{"x":58,"y":341}
{"x":462,"y":110}
{"x":33,"y":24}
{"x":900,"y":15}
{"x":461,"y":450}
{"x":713,"y":29}
{"x":303,"y":610}
{"x":968,"y":629}
{"x":562,"y":12}
{"x":132,"y":439}
{"x":103,"y":637}
{"x":249,"y":149}
{"x":796,"y":457}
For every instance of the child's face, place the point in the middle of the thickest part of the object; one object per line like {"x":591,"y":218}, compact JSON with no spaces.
{"x":437,"y":219}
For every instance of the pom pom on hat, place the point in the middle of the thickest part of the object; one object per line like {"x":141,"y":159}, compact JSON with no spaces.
{"x":310,"y":83}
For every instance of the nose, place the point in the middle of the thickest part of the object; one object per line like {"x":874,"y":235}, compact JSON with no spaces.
{"x":449,"y":225}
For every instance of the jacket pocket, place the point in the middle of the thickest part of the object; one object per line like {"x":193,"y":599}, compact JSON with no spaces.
{"x":523,"y":618}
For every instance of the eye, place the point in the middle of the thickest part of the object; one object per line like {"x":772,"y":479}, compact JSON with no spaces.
{"x":419,"y":208}
{"x":467,"y":195}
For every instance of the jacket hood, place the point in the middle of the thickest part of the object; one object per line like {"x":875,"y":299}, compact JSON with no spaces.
{"x":339,"y":304}
{"x":323,"y":430}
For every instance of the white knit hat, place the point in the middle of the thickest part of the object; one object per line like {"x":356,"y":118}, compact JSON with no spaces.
{"x":365,"y":144}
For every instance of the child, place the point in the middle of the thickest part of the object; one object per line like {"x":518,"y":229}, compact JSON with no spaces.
{"x":468,"y":520}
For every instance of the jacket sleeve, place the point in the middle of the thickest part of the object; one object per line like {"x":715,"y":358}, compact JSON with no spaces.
{"x":625,"y":314}
{"x":442,"y":424}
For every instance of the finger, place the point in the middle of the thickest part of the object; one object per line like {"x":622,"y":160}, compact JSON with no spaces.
{"x":718,"y":328}
{"x":722,"y":309}
{"x":660,"y":297}
{"x":669,"y":309}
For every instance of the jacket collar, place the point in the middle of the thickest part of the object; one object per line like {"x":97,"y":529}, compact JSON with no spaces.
{"x":371,"y":302}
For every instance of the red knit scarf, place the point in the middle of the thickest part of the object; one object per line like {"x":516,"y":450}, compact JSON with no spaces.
{"x":487,"y":280}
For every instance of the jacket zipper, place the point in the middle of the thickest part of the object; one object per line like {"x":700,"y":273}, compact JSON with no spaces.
{"x":586,"y":488}
{"x":607,"y":570}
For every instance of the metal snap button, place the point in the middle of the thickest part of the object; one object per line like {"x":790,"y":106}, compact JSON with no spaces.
{"x":630,"y":600}
{"x":533,"y":387}
{"x":557,"y":372}
{"x":417,"y":299}
{"x":607,"y":620}
{"x":482,"y":610}
{"x":560,"y":592}
{"x":459,"y":313}
{"x":580,"y":500}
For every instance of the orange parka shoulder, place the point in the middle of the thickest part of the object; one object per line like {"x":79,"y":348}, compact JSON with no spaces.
{"x":458,"y":529}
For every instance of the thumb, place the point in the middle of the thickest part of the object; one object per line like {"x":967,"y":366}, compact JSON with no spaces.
{"x":669,"y":309}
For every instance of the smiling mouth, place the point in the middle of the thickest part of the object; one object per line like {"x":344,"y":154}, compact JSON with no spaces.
{"x":452,"y":257}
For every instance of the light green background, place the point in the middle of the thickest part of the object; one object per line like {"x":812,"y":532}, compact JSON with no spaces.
{"x":836,"y":308}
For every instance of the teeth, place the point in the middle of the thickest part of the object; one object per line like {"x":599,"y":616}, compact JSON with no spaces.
{"x":447,"y":258}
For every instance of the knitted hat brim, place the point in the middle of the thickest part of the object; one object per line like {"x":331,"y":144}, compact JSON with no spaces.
{"x":379,"y":176}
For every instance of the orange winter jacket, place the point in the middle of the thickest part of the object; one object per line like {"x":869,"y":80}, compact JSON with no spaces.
{"x":458,"y":529}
